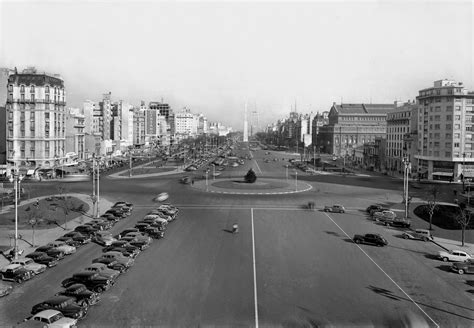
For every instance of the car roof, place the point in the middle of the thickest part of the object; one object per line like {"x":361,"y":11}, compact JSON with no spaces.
{"x":46,"y":313}
{"x":57,"y":299}
{"x":12,"y":266}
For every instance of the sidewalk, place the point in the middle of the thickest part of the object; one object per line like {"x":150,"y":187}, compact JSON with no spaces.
{"x":44,"y":236}
{"x":448,"y":244}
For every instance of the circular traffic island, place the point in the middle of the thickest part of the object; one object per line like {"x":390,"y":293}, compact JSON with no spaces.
{"x":260,"y":187}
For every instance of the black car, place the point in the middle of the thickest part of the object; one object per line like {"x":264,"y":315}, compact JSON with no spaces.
{"x":122,"y":244}
{"x":154,"y":232}
{"x":124,"y":232}
{"x":43,"y":258}
{"x":51,"y":251}
{"x":398,"y":222}
{"x":16,"y":273}
{"x":123,"y":251}
{"x":91,"y":280}
{"x":371,"y":238}
{"x":79,"y":237}
{"x":142,"y":226}
{"x":64,"y":304}
{"x":86,"y":230}
{"x":376,"y":208}
{"x":111,"y":264}
{"x":69,"y":241}
{"x":81,"y":294}
{"x":117,"y":213}
{"x":141,"y":244}
{"x":110,"y":217}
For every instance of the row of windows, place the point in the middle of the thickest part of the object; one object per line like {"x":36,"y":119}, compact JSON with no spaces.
{"x":56,"y":90}
{"x":438,"y":92}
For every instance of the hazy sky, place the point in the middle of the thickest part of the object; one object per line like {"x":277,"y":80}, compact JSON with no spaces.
{"x":214,"y":56}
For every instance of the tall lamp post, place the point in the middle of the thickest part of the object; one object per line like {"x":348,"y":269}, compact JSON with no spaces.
{"x":463,"y":165}
{"x":407,"y":165}
{"x":16,"y":179}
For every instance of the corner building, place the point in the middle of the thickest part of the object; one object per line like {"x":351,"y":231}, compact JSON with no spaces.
{"x":445,"y":131}
{"x":35,"y":113}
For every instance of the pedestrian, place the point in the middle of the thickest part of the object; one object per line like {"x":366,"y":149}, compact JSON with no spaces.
{"x":192,"y":182}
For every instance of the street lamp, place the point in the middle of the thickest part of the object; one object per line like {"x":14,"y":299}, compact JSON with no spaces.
{"x":463,"y":165}
{"x":16,"y":179}
{"x":407,"y":164}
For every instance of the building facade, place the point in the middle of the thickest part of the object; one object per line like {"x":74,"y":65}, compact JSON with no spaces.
{"x":35,"y":120}
{"x":445,"y":131}
{"x":352,"y":125}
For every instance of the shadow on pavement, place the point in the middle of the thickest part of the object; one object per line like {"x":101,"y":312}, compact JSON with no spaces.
{"x":445,"y":268}
{"x":227,"y":230}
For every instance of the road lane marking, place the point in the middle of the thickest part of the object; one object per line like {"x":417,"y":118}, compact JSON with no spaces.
{"x":393,"y":281}
{"x":254,"y":272}
{"x":258,"y":167}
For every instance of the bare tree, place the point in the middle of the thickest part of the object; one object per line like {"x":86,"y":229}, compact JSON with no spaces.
{"x":463,"y":218}
{"x":433,"y":195}
{"x":65,"y":203}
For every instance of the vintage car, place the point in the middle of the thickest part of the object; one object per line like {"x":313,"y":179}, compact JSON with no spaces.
{"x":111,"y":263}
{"x":336,"y":208}
{"x":16,"y":273}
{"x":79,"y":237}
{"x":81,"y":295}
{"x":92,"y":280}
{"x":63,"y":247}
{"x":370,"y":238}
{"x":119,"y":257}
{"x":103,"y":238}
{"x":64,"y":304}
{"x":51,"y":251}
{"x":454,"y":256}
{"x":463,"y":267}
{"x":384,"y":215}
{"x":43,"y":258}
{"x":421,"y":234}
{"x":50,"y":319}
{"x":103,"y":271}
{"x":122,"y":244}
{"x":29,"y":264}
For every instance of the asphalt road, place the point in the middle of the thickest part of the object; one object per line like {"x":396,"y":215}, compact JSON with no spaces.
{"x":287,"y":267}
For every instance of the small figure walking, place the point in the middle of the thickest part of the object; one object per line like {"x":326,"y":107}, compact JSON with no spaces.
{"x":192,"y":181}
{"x":235,"y":228}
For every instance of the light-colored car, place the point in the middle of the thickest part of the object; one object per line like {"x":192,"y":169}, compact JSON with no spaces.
{"x":63,"y":247}
{"x":454,"y":256}
{"x":103,"y":238}
{"x":139,"y":236}
{"x":29,"y":264}
{"x":384,"y":215}
{"x":421,"y":234}
{"x":5,"y":288}
{"x":119,"y":257}
{"x":50,"y":319}
{"x":336,"y":208}
{"x":103,"y":270}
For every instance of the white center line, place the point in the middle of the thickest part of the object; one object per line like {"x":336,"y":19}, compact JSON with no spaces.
{"x":258,"y":167}
{"x":254,"y":273}
{"x":413,"y":301}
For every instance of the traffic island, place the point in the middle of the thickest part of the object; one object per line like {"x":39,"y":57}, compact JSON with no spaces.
{"x":261,"y":187}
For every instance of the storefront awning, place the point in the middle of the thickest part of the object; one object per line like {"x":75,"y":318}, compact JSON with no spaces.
{"x":444,"y":174}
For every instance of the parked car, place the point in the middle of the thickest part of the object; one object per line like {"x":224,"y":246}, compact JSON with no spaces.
{"x":336,"y":208}
{"x":103,"y":223}
{"x":122,"y":244}
{"x":64,"y":304}
{"x":119,"y":257}
{"x":5,"y":288}
{"x":454,"y":256}
{"x":154,"y":232}
{"x":463,"y":267}
{"x":384,"y":215}
{"x":124,"y":232}
{"x":421,"y":234}
{"x":69,"y":241}
{"x":122,"y":203}
{"x":63,"y":247}
{"x":103,"y":238}
{"x":52,"y":319}
{"x":141,"y":226}
{"x":398,"y":222}
{"x":110,"y":217}
{"x":81,"y":295}
{"x":79,"y":237}
{"x":29,"y":264}
{"x":16,"y":273}
{"x":139,"y":236}
{"x":375,"y":208}
{"x":86,"y":230}
{"x":43,"y":258}
{"x":141,"y":244}
{"x":92,"y":280}
{"x":370,"y":238}
{"x":103,"y":271}
{"x":111,"y":264}
{"x":51,"y":251}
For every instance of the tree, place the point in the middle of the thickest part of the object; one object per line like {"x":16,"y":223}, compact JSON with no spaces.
{"x":432,"y":202}
{"x":250,"y":177}
{"x":463,"y":218}
{"x":65,"y":203}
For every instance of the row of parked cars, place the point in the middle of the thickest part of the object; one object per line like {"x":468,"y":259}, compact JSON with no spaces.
{"x":83,"y":288}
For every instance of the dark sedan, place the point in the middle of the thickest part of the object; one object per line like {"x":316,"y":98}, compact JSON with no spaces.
{"x":43,"y":258}
{"x":81,"y":295}
{"x":64,"y":304}
{"x":51,"y":251}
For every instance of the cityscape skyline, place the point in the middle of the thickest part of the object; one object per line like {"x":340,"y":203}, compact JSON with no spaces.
{"x":213,"y":57}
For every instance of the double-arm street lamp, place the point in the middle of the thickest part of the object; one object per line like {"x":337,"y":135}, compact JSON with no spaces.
{"x":16,"y":179}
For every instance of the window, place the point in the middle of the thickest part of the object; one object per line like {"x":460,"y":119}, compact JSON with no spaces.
{"x":457,"y":135}
{"x":447,"y":154}
{"x":457,"y":117}
{"x":447,"y":145}
{"x":437,"y":126}
{"x":46,"y":89}
{"x":458,"y":107}
{"x":10,"y":87}
{"x":22,"y":89}
{"x":437,"y":109}
{"x":436,"y":144}
{"x":449,"y":117}
{"x":457,"y":126}
{"x":436,"y":153}
{"x":456,"y":145}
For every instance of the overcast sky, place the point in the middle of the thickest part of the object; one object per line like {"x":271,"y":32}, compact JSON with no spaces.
{"x":212,"y":57}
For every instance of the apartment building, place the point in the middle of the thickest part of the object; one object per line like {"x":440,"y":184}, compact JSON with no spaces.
{"x":35,"y":120}
{"x":399,"y":130}
{"x":445,"y":131}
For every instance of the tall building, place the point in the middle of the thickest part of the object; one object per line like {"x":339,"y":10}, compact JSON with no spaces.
{"x":75,"y":135}
{"x":162,"y":108}
{"x":139,"y":127}
{"x":185,"y":123}
{"x":352,"y":125}
{"x":399,"y":129}
{"x":445,"y":131}
{"x":4,"y":74}
{"x":35,"y":127}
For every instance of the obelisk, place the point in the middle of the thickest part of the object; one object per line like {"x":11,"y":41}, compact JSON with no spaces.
{"x":246,"y":128}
